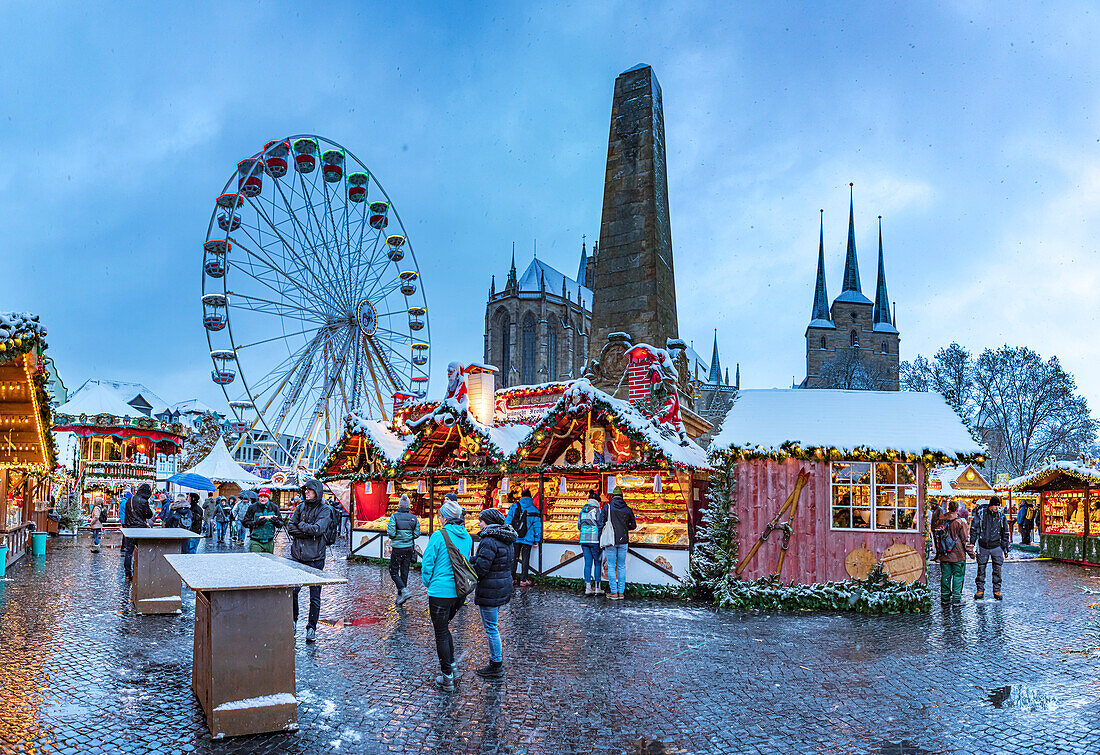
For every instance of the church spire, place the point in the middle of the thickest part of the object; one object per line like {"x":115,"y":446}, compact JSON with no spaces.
{"x":737,"y":379}
{"x":821,"y":297}
{"x":882,"y":301}
{"x":851,"y":264}
{"x":584,"y":261}
{"x":512,"y":271}
{"x":715,"y":376}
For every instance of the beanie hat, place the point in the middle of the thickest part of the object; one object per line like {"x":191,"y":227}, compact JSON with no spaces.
{"x":265,"y":491}
{"x":617,"y":491}
{"x":404,"y":504}
{"x":452,"y":496}
{"x":451,"y":512}
{"x":491,"y":516}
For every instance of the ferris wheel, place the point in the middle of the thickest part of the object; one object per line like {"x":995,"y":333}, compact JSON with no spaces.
{"x":313,"y":302}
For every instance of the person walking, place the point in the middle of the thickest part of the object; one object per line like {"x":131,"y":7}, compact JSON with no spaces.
{"x":240,"y":509}
{"x":1025,"y":518}
{"x":493,"y":565}
{"x":262,"y":519}
{"x":196,"y":521}
{"x":403,"y":529}
{"x":622,"y":522}
{"x":524,"y":518}
{"x":179,"y":515}
{"x":989,"y":532}
{"x":99,"y":514}
{"x":208,"y":507}
{"x":122,"y":522}
{"x":138,"y":514}
{"x":952,"y":547}
{"x":308,"y":524}
{"x":234,"y":525}
{"x":222,"y":514}
{"x":589,"y":522}
{"x":437,"y":574}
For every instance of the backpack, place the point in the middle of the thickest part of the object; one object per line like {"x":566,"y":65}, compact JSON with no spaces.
{"x":519,"y":523}
{"x":102,"y":515}
{"x":465,"y":576}
{"x":332,"y":534}
{"x":944,"y":542}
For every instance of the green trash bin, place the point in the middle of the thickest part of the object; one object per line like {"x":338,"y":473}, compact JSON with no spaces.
{"x":38,"y":543}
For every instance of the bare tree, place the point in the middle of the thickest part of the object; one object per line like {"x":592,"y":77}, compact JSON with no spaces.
{"x":847,"y":370}
{"x":951,"y":374}
{"x":1030,"y":407}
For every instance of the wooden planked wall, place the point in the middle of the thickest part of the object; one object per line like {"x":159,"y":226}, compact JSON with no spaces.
{"x":816,"y":552}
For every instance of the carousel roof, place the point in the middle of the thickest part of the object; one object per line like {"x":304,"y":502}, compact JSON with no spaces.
{"x":912,"y":423}
{"x":95,"y":398}
{"x":1040,"y":476}
{"x":219,"y":466}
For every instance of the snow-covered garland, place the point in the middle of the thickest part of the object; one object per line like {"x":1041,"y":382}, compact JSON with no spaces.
{"x":20,"y":332}
{"x":1078,"y":471}
{"x":792,"y":450}
{"x":354,"y":432}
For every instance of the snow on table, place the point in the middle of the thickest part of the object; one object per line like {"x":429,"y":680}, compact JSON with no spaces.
{"x":246,"y":571}
{"x":264,"y":701}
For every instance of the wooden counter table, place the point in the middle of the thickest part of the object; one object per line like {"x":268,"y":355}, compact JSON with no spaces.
{"x":156,"y":586}
{"x":243,"y":666}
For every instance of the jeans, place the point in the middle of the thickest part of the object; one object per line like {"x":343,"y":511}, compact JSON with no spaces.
{"x":314,"y":596}
{"x":523,"y":557}
{"x":128,"y":554}
{"x":189,"y":546}
{"x":951,"y":580}
{"x":592,"y":562}
{"x":442,"y":610}
{"x":95,"y":536}
{"x":222,"y":526}
{"x":616,"y":568}
{"x":400,"y":559}
{"x":984,"y":556}
{"x":492,"y":633}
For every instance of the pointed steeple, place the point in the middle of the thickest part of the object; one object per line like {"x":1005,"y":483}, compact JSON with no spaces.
{"x":727,"y":376}
{"x":882,"y":301}
{"x":715,"y":376}
{"x":512,"y":271}
{"x":737,"y":377}
{"x":821,"y":296}
{"x":584,"y":261}
{"x":851,"y":263}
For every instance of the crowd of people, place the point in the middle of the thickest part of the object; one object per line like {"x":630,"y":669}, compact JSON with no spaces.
{"x":985,"y":535}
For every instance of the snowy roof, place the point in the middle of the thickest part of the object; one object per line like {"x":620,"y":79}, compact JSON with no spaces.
{"x":94,"y":398}
{"x":507,"y":437}
{"x":1076,"y":469}
{"x":219,"y":466}
{"x":819,"y":323}
{"x":389,"y":443}
{"x":123,"y":393}
{"x":884,"y":327}
{"x":19,"y":324}
{"x":853,"y":297}
{"x":902,"y":421}
{"x":193,"y":406}
{"x":539,"y":270}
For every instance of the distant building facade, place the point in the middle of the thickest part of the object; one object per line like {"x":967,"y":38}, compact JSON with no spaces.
{"x":853,"y":344}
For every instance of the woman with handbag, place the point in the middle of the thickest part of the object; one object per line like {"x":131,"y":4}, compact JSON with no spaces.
{"x":615,"y":539}
{"x":437,"y":572}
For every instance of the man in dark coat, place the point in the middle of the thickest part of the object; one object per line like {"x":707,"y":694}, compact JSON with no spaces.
{"x":138,"y":514}
{"x":493,"y":565}
{"x":307,"y":526}
{"x":989,"y":531}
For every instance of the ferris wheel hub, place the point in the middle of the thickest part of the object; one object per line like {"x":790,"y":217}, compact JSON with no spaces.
{"x":368,"y":317}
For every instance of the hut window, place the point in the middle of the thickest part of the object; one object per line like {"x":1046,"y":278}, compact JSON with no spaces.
{"x":874,"y":496}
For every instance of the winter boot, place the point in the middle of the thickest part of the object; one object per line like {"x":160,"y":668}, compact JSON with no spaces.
{"x":495,"y":670}
{"x":445,"y":682}
{"x":979,"y":594}
{"x":589,"y":589}
{"x":402,"y":596}
{"x":998,"y":596}
{"x":599,"y":589}
{"x":311,"y":635}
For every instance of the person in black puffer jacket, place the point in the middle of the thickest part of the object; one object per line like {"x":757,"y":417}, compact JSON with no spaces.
{"x":138,"y":514}
{"x":307,"y":527}
{"x":493,"y":563}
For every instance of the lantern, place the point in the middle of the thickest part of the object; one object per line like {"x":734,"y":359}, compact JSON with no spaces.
{"x":275,"y":154}
{"x":505,"y":485}
{"x":305,"y":155}
{"x":250,"y":176}
{"x":396,"y":253}
{"x":357,"y":186}
{"x":332,"y":162}
{"x":378,"y":211}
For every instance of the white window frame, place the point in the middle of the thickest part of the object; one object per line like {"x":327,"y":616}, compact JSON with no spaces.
{"x":874,"y":497}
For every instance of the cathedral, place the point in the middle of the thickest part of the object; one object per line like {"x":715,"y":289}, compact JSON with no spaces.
{"x":854,"y":343}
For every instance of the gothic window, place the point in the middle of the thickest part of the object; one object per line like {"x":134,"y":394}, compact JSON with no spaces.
{"x":823,"y":342}
{"x":854,"y":339}
{"x":501,"y":345}
{"x":552,"y":350}
{"x":528,"y":376}
{"x":884,"y":347}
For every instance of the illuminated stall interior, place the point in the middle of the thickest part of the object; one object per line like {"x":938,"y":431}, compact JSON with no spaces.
{"x":1069,"y":505}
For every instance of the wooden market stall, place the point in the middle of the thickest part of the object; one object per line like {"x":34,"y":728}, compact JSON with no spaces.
{"x":1069,"y":507}
{"x":27,"y":452}
{"x":826,"y":483}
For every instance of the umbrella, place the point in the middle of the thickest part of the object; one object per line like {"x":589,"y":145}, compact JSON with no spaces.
{"x":192,"y":480}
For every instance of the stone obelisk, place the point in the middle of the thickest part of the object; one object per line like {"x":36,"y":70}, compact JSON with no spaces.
{"x":634,"y":288}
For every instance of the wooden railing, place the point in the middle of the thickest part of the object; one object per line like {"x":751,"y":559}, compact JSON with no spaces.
{"x":18,"y":540}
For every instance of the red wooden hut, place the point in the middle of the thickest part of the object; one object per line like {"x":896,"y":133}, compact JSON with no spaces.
{"x":828,"y":482}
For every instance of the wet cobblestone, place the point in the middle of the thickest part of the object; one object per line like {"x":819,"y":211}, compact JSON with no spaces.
{"x":79,"y":672}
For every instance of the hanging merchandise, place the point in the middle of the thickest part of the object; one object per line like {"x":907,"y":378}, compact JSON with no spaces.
{"x":657,"y":487}
{"x":421,"y":487}
{"x":610,"y":483}
{"x":461,"y":485}
{"x":367,"y":487}
{"x":562,"y":485}
{"x":389,"y":488}
{"x":505,"y":485}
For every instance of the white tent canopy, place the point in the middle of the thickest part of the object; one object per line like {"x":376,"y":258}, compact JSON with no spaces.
{"x":219,"y":466}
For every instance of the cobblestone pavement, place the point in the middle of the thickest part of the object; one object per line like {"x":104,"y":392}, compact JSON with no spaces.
{"x":80,"y":673}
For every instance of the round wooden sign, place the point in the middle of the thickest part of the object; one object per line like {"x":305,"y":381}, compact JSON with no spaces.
{"x":903,"y":563}
{"x":859,"y":563}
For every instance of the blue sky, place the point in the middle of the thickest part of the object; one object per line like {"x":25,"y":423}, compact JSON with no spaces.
{"x":970,"y":128}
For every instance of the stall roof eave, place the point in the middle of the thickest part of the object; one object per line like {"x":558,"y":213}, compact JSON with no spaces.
{"x":1035,"y":480}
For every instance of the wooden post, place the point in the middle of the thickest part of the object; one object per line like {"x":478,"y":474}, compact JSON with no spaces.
{"x":1085,"y":530}
{"x":542,"y":514}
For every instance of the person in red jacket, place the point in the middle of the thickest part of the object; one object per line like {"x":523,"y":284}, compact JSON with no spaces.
{"x":953,"y":560}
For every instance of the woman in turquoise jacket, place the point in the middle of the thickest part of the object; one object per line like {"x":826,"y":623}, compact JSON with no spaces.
{"x":439,"y":582}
